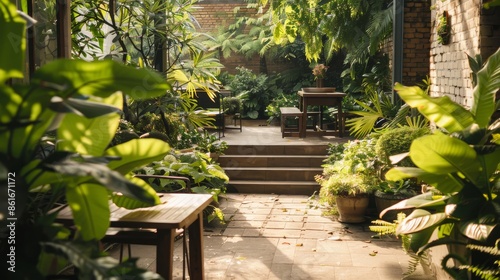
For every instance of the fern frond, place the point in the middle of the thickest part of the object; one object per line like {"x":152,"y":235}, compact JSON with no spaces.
{"x":482,"y":272}
{"x":494,"y":251}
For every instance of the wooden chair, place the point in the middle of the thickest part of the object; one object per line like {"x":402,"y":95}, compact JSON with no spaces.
{"x":213,"y":109}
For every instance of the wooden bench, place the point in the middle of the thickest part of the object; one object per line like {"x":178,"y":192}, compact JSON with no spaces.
{"x":290,"y":112}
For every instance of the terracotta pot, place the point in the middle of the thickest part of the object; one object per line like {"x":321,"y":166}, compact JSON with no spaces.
{"x":352,"y":209}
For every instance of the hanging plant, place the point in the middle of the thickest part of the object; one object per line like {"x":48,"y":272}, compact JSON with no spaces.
{"x":443,"y":29}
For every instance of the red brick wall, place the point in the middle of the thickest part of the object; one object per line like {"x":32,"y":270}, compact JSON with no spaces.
{"x":490,"y":31}
{"x":213,"y":14}
{"x":416,"y":42}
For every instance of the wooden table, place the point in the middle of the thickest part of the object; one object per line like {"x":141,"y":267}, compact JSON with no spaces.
{"x":321,"y":99}
{"x":176,"y":211}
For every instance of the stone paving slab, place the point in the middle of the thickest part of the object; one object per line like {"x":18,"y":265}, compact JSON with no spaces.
{"x":286,"y":237}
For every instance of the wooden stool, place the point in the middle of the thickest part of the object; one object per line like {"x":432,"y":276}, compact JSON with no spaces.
{"x":287,"y":112}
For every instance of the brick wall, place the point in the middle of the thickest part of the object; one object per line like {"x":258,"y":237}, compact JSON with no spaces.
{"x":489,"y":31}
{"x":212,"y":14}
{"x":416,"y":44}
{"x":473,"y":31}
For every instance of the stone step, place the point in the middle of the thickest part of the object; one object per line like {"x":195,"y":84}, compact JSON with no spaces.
{"x":275,"y":187}
{"x":273,"y":173}
{"x":277,"y":150}
{"x":272,"y":160}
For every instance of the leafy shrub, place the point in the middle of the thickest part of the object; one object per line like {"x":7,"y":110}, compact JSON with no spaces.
{"x":350,"y":169}
{"x":283,"y":100}
{"x":253,"y":91}
{"x":397,"y":141}
{"x":232,"y":105}
{"x":205,"y":176}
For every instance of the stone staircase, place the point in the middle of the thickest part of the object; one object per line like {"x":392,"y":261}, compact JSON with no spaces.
{"x":279,"y":169}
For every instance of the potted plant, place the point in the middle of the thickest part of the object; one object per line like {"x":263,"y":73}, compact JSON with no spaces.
{"x":350,"y":175}
{"x":388,"y":193}
{"x":460,"y":161}
{"x":351,"y":192}
{"x":443,"y":29}
{"x":395,"y":141}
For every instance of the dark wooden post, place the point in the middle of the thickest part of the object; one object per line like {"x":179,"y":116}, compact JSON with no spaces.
{"x":397,"y":39}
{"x":63,"y":25}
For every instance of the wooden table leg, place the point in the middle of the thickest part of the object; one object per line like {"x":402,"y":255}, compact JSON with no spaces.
{"x":196,"y":256}
{"x":165,"y":252}
{"x":340,"y":119}
{"x":303,"y":127}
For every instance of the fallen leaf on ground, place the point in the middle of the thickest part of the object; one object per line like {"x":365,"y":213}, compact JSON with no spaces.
{"x":335,"y":238}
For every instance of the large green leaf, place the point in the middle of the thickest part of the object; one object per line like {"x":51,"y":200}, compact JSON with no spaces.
{"x":446,"y":183}
{"x":91,"y":170}
{"x":136,"y":153}
{"x":477,"y":231}
{"x":441,"y":154}
{"x":130,"y":203}
{"x":420,"y":220}
{"x":421,"y":238}
{"x":441,"y":110}
{"x":89,"y":136}
{"x":89,"y":109}
{"x":488,"y":84}
{"x":30,"y":122}
{"x":10,"y":101}
{"x":12,"y":42}
{"x":424,"y":200}
{"x":36,"y":176}
{"x":90,"y":207}
{"x":101,"y":78}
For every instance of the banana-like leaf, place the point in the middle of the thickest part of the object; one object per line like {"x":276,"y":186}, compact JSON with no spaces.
{"x":441,"y":110}
{"x":90,"y":207}
{"x":85,"y":170}
{"x":136,"y":153}
{"x":89,"y":136}
{"x":36,"y":176}
{"x":420,"y":220}
{"x":419,"y":239}
{"x":130,"y":203}
{"x":438,"y":242}
{"x":477,"y":231}
{"x":424,"y":200}
{"x":27,"y":120}
{"x":488,"y":84}
{"x":82,"y":108}
{"x":445,"y":183}
{"x":441,"y":154}
{"x":12,"y":44}
{"x":491,"y":163}
{"x":100,"y":78}
{"x":10,"y":101}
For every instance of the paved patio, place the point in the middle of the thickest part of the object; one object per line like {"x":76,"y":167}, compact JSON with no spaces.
{"x":287,"y":237}
{"x":270,"y":236}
